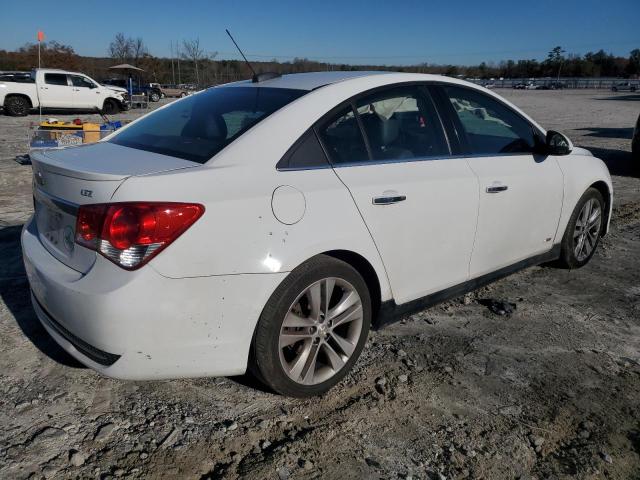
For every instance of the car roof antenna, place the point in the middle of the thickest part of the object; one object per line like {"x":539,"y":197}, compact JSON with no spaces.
{"x":256,"y":77}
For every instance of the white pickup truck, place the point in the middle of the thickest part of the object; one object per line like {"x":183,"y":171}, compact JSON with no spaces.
{"x":58,"y":89}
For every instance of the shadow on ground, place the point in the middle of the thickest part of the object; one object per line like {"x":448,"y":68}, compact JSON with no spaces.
{"x":608,"y":132}
{"x":626,"y":98}
{"x":619,"y":162}
{"x":14,"y":291}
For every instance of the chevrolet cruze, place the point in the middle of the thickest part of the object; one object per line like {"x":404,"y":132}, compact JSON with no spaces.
{"x":270,"y":224}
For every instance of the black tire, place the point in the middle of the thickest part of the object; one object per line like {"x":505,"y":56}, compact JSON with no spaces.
{"x":568,"y":257}
{"x":265,"y":361}
{"x":17,"y":106}
{"x":154,"y":97}
{"x":183,"y":94}
{"x":110,"y":107}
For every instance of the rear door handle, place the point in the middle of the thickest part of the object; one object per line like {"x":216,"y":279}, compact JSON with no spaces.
{"x":389,"y":200}
{"x":497,"y":188}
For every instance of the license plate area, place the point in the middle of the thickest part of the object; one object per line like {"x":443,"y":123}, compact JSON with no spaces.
{"x":56,"y":221}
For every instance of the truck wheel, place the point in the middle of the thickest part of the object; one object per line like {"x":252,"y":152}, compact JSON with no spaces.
{"x":183,"y":94}
{"x":110,"y":107}
{"x":16,"y":106}
{"x":154,"y":97}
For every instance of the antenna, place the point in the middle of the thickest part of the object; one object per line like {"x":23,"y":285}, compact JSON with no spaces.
{"x":245,"y":58}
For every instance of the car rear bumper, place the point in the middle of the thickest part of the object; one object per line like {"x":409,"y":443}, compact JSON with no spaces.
{"x":141,"y":325}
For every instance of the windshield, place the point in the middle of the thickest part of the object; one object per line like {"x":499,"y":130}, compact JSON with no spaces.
{"x":199,"y":126}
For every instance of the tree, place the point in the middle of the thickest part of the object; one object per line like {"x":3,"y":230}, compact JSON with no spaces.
{"x":121,"y":48}
{"x":555,"y":59}
{"x":138,"y":50}
{"x":633,"y":67}
{"x":194,"y":52}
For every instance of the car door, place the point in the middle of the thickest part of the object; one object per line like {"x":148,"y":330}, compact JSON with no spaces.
{"x":520,"y":192}
{"x":85,"y":92}
{"x":419,"y":203}
{"x":55,"y":91}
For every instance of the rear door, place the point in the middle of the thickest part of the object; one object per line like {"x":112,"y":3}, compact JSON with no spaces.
{"x":419,"y":203}
{"x":520,"y":192}
{"x":56,"y":91}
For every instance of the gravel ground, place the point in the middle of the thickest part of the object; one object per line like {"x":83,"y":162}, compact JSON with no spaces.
{"x":456,"y":391}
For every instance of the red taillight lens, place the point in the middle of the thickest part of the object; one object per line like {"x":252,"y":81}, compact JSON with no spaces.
{"x":130,"y":234}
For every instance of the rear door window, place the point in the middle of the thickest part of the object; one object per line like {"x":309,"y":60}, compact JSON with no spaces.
{"x":343,"y":139}
{"x":55,"y":79}
{"x":401,"y":123}
{"x":199,"y":126}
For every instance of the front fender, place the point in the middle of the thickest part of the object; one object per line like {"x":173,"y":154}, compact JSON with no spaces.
{"x":582,"y":170}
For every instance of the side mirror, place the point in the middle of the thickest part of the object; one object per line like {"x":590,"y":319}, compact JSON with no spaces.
{"x":558,"y":144}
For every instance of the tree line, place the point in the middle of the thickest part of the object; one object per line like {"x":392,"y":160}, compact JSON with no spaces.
{"x":193,"y":64}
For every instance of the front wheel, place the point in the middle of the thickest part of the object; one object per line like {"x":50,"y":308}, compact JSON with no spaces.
{"x":110,"y":107}
{"x":154,"y":97}
{"x":583,"y":230}
{"x":312,"y":329}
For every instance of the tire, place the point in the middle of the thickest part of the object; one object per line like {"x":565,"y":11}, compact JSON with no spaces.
{"x":278,"y":351}
{"x":110,"y":107}
{"x":570,"y":256}
{"x":183,"y":94}
{"x":17,"y":106}
{"x":154,"y":97}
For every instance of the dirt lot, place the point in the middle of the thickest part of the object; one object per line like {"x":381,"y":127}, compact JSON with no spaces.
{"x":551,"y":391}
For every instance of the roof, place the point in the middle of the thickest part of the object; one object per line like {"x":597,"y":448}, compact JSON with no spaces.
{"x":306,"y":81}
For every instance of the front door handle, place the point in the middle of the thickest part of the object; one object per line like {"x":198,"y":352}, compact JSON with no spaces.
{"x":497,"y":188}
{"x":389,"y":200}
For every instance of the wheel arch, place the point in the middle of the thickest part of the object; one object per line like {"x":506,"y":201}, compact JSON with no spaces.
{"x":22,"y":95}
{"x":604,"y":190}
{"x":364,"y":268}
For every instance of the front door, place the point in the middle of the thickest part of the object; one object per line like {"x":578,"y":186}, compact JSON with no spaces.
{"x":419,"y":204}
{"x":85,"y":92}
{"x":520,"y":192}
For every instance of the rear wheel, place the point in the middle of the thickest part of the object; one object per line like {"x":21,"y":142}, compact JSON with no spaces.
{"x":583,"y":231}
{"x":17,"y":106}
{"x":154,"y":97}
{"x":110,"y":107}
{"x":312,"y":329}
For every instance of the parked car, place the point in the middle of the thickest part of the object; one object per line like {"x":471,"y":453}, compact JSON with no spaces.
{"x":624,"y":87}
{"x":154,"y":93}
{"x":175,"y":91}
{"x":57,"y":89}
{"x":269,"y":224}
{"x":635,"y":143}
{"x":520,"y":86}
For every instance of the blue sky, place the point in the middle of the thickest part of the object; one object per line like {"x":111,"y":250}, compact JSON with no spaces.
{"x":358,"y":32}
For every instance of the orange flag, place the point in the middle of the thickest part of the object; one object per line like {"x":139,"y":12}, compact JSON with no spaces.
{"x":40,"y":35}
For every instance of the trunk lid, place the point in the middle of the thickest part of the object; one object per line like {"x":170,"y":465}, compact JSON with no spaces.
{"x":66,"y":178}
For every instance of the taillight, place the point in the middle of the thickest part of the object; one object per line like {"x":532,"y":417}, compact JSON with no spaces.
{"x":130,"y":234}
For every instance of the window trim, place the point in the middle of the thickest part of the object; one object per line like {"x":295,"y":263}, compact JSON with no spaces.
{"x":444,"y":103}
{"x":423,"y":90}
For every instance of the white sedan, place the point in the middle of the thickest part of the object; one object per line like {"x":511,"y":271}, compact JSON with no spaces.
{"x":270,"y":224}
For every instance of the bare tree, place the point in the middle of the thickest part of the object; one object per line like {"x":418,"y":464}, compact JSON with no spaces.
{"x":121,"y":48}
{"x":194,"y":52}
{"x":138,"y":49}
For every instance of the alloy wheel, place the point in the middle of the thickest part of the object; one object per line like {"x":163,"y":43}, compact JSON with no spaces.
{"x":587,"y":230}
{"x":320,"y":331}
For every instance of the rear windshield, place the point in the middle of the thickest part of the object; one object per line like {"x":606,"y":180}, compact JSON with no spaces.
{"x":199,"y":126}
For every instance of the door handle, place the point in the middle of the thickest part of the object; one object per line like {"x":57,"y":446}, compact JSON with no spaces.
{"x":389,"y":200}
{"x":497,"y":188}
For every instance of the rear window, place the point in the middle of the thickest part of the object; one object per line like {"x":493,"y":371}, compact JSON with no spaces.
{"x":199,"y":126}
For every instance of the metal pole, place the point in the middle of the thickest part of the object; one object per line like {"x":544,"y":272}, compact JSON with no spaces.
{"x":173,"y":71}
{"x":39,"y":102}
